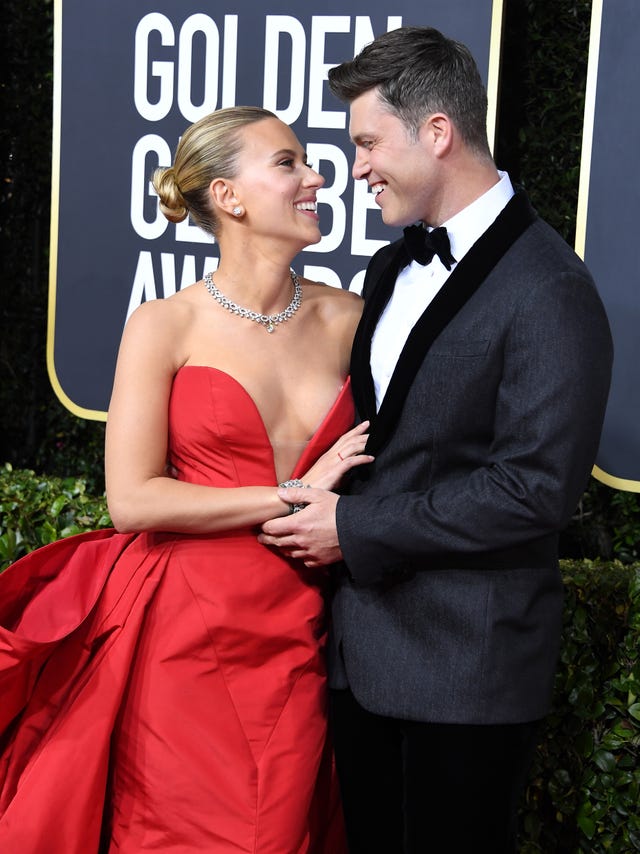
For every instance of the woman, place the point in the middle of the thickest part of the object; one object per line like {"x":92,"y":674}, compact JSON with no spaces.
{"x":163,"y":687}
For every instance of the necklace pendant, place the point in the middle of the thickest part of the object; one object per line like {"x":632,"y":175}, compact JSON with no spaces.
{"x":270,"y":327}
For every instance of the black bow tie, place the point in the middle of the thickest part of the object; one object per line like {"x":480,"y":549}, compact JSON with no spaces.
{"x":422,"y":245}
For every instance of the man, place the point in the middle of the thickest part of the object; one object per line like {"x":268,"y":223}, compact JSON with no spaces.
{"x":484,"y":373}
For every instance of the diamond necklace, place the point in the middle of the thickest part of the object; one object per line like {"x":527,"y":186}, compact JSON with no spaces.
{"x":269,"y":321}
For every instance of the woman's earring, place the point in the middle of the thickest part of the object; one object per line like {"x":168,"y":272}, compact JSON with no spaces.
{"x":237,"y":210}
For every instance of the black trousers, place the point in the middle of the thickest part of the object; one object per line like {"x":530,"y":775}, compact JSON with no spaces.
{"x":423,"y":788}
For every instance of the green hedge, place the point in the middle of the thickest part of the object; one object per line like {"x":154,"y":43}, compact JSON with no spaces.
{"x":36,"y":510}
{"x":584,"y":787}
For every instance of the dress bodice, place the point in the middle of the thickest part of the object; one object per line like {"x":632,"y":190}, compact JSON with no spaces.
{"x":217,"y":436}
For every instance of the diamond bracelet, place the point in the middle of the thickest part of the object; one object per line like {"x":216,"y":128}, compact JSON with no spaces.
{"x":298,"y":484}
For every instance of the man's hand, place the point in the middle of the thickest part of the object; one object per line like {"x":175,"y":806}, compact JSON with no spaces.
{"x":309,"y":535}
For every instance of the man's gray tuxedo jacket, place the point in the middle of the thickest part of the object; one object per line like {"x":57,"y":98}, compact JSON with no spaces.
{"x":450,"y":602}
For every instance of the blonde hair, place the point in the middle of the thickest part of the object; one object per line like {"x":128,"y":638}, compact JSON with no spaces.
{"x":208,"y":149}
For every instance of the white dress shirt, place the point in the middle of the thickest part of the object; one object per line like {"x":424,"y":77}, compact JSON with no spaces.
{"x":417,"y":285}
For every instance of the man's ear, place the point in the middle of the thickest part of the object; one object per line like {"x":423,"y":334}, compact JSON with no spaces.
{"x":437,"y":132}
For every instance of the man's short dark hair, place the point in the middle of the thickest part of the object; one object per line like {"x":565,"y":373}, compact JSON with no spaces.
{"x":418,"y":71}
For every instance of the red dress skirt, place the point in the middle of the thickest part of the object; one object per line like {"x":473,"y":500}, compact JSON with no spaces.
{"x":166,"y":692}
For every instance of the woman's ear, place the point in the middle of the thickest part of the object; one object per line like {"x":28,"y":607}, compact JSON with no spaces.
{"x":223,"y":196}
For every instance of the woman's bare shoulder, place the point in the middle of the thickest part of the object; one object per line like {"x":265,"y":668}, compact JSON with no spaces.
{"x":160,"y":330}
{"x":171,"y":312}
{"x":331,"y":298}
{"x":337,"y":312}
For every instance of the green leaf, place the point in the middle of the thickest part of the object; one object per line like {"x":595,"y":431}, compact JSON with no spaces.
{"x":584,"y":743}
{"x":48,"y":533}
{"x":605,"y":760}
{"x":587,"y":825}
{"x":71,"y":530}
{"x":60,"y":502}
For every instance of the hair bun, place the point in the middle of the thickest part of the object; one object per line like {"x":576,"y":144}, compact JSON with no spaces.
{"x":172,"y":203}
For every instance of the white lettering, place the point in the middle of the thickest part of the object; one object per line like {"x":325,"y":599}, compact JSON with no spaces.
{"x":144,"y":285}
{"x":322,"y":274}
{"x":210,"y":265}
{"x":152,"y":111}
{"x":320,"y":26}
{"x":229,"y":60}
{"x":357,"y":282}
{"x":188,"y":233}
{"x":188,"y":277}
{"x":198,"y":23}
{"x":164,"y":70}
{"x":141,"y":187}
{"x":276,"y":24}
{"x":363,"y":32}
{"x":332,"y":195}
{"x":363,"y":201}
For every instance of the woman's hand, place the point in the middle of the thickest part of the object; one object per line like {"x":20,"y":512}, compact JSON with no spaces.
{"x":345,"y":454}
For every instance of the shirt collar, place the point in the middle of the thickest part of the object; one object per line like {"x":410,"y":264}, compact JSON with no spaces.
{"x":465,"y":227}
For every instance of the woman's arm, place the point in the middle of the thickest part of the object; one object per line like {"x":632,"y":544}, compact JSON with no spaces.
{"x":141,"y":497}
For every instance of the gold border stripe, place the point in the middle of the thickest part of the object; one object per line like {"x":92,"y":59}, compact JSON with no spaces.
{"x":587,"y":126}
{"x":493,"y":73}
{"x":94,"y":414}
{"x":583,"y":190}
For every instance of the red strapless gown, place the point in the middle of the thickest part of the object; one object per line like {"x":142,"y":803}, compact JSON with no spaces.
{"x":166,"y":692}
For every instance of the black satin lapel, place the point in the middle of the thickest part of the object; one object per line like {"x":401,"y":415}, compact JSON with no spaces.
{"x":459,"y":287}
{"x":378,"y":287}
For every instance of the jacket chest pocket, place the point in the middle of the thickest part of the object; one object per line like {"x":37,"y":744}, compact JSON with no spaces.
{"x":465,"y":349}
{"x":455,"y":390}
